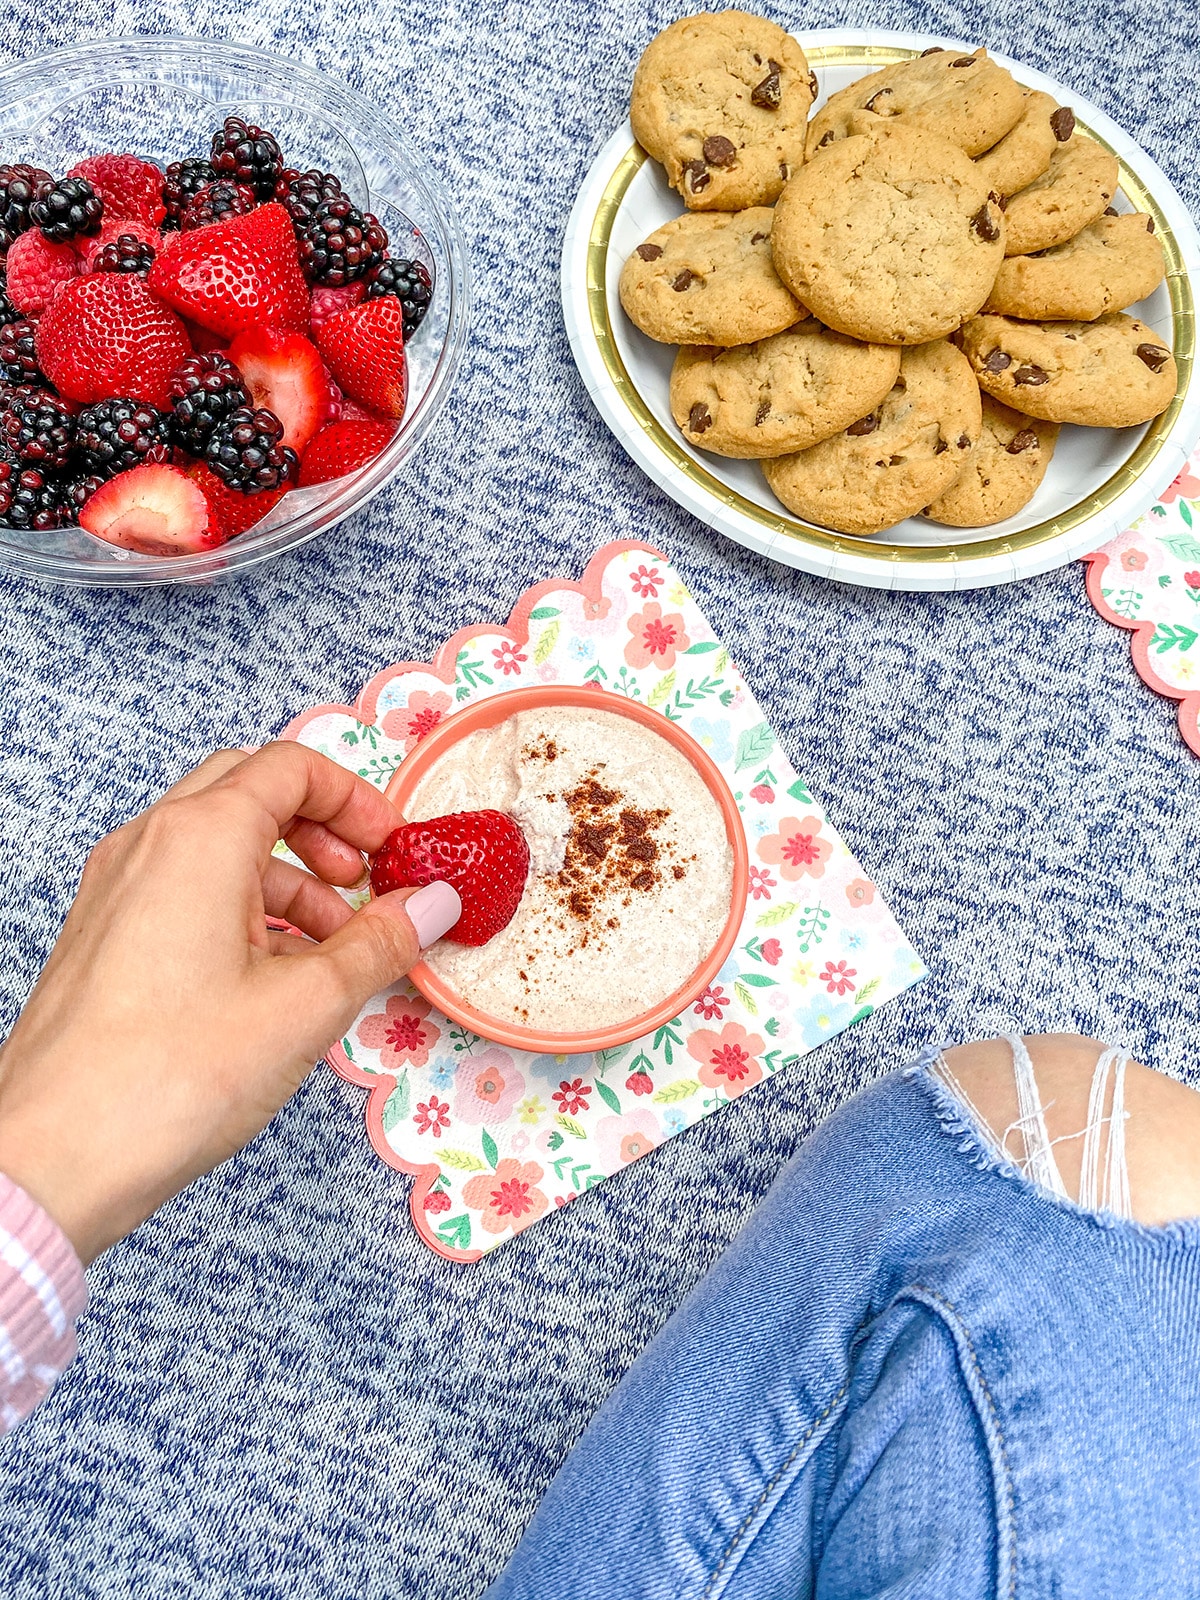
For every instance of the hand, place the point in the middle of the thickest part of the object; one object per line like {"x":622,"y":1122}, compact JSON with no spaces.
{"x":170,"y":1024}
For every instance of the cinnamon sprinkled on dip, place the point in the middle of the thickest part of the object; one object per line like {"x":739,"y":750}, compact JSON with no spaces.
{"x":630,"y":872}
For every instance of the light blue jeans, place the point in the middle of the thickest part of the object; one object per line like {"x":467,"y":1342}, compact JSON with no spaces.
{"x":914,"y":1373}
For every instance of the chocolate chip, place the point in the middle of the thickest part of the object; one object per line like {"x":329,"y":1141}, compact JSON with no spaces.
{"x":813,"y":85}
{"x":783,"y":171}
{"x":719,"y":151}
{"x":767,"y":94}
{"x":1025,"y":440}
{"x":1153,"y":355}
{"x":1031,"y":377}
{"x":942,"y":446}
{"x":982,"y":224}
{"x":934,"y":50}
{"x":864,"y":425}
{"x":757,"y":238}
{"x":696,"y":176}
{"x":763,"y":412}
{"x":699,"y":418}
{"x":1063,"y":123}
{"x":1111,"y":211}
{"x":1000,"y":200}
{"x":964,"y":442}
{"x":871,"y":105}
{"x":826,"y":138}
{"x":964,"y":61}
{"x":997,"y":361}
{"x":1149,"y":224}
{"x":684,"y":280}
{"x":649,"y":252}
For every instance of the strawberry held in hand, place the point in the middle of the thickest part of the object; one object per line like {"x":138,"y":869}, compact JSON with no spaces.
{"x":482,"y":853}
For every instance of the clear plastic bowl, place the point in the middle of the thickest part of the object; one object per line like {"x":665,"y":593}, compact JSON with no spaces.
{"x":161,"y":98}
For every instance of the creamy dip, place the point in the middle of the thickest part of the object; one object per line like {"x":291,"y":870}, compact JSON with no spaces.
{"x":630,"y":868}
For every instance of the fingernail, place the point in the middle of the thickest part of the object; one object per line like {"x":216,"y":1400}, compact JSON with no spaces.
{"x":433,"y":911}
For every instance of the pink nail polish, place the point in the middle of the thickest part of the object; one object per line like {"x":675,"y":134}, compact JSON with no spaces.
{"x":433,"y":911}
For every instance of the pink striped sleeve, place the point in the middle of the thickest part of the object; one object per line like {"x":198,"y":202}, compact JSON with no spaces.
{"x":42,"y":1291}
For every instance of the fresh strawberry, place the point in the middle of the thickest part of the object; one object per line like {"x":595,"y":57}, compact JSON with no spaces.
{"x":37,"y":268}
{"x":90,"y":248}
{"x":233,"y":511}
{"x":204,"y":341}
{"x":107,"y":335}
{"x":326,"y":301}
{"x":482,"y":853}
{"x":343,"y":447}
{"x":284,"y":373}
{"x":130,"y":188}
{"x":154,"y":509}
{"x":364,"y":349}
{"x":236,"y":274}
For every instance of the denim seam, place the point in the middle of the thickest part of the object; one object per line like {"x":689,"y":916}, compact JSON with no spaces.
{"x":960,"y":1327}
{"x":956,"y":1122}
{"x":768,"y":1490}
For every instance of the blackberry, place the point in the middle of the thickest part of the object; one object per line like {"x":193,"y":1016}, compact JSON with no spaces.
{"x":18,"y":353}
{"x":204,"y":392}
{"x":184,"y":179}
{"x":339,"y":243}
{"x":8,"y":311}
{"x":28,"y":498}
{"x":67,"y":209}
{"x":74,"y":494}
{"x":38,"y":430}
{"x":247,"y":453}
{"x":114,"y":435}
{"x":300,"y":193}
{"x":217,"y":200}
{"x":411,"y":284}
{"x":20,"y":186}
{"x":247,"y":155}
{"x":125,"y":253}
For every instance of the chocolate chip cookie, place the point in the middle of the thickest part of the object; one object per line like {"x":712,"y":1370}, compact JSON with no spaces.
{"x":962,"y":95}
{"x":1002,"y":471}
{"x":722,"y":101}
{"x":1074,"y":190}
{"x":1024,"y":153}
{"x":1108,"y":265}
{"x":1113,"y":373}
{"x":889,"y":236}
{"x":708,"y":278}
{"x":895,"y":461}
{"x":781,"y":394}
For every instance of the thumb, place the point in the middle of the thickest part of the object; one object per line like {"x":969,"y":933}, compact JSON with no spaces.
{"x":370,"y":952}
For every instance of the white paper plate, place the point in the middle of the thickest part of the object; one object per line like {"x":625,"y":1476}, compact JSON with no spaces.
{"x":1099,"y":481}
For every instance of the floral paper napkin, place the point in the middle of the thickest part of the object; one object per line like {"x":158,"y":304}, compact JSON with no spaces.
{"x":496,"y":1138}
{"x":1148,"y":581}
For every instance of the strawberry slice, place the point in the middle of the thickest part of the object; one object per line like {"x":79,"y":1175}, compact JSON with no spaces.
{"x":106,"y":335}
{"x":37,"y":267}
{"x":363,"y":347}
{"x":234,"y":511}
{"x":482,"y":853}
{"x":156,"y":510}
{"x":235,"y":274}
{"x":130,"y":187}
{"x":342,"y":447}
{"x":285,"y":374}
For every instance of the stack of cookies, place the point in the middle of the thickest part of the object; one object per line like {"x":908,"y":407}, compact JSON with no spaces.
{"x":895,"y":303}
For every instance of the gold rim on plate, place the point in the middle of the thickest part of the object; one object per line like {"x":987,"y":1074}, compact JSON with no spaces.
{"x":1144,"y":452}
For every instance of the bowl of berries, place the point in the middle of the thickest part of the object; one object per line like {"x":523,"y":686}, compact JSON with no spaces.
{"x":232,"y":303}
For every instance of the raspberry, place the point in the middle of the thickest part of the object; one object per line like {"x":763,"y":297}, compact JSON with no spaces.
{"x":130,"y":188}
{"x":36,"y":270}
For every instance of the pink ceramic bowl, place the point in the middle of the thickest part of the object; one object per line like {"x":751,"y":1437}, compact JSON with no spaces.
{"x":486,"y":714}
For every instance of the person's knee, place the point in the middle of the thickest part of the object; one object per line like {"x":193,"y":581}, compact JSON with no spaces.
{"x":1161,"y":1128}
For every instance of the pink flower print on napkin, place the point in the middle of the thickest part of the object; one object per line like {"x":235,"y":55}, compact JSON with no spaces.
{"x":656,"y":640}
{"x":432,"y":1116}
{"x":399,"y":1032}
{"x":713,"y":1003}
{"x":1185,"y":487}
{"x":410,"y":723}
{"x":621,"y":1140}
{"x":1134,"y":560}
{"x":761,"y":883}
{"x":508,"y":1197}
{"x":508,"y":658}
{"x":728,"y":1060}
{"x":487,"y":1088}
{"x":571,"y":1096}
{"x":647,"y":581}
{"x":860,"y":892}
{"x":797,"y":849}
{"x":838,"y":978}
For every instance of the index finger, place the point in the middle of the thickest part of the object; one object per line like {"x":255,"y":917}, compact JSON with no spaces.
{"x":285,"y":780}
